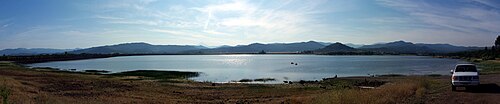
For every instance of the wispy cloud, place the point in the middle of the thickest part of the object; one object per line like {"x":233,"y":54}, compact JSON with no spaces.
{"x":260,"y":23}
{"x":463,"y":17}
{"x":232,"y":22}
{"x":489,"y":3}
{"x":464,"y":21}
{"x":4,"y":24}
{"x":243,"y":18}
{"x":171,"y":32}
{"x":108,"y":17}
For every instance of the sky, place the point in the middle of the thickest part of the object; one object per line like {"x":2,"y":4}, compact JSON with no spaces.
{"x":67,"y":24}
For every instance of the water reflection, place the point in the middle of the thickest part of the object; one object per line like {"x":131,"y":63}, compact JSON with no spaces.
{"x":224,"y":68}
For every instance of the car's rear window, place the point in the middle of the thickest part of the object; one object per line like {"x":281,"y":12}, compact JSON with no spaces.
{"x":466,"y":68}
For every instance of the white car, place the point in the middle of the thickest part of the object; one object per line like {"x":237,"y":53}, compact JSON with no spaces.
{"x":464,"y":75}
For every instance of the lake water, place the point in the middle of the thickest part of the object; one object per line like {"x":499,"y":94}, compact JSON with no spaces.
{"x":224,"y":68}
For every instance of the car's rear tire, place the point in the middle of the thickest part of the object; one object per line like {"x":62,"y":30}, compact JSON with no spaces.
{"x":453,"y":88}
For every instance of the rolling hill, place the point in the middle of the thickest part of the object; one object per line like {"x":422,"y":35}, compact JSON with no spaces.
{"x":396,"y":47}
{"x":336,"y":47}
{"x":32,"y":51}
{"x":138,"y":48}
{"x":408,"y":47}
{"x":274,"y":47}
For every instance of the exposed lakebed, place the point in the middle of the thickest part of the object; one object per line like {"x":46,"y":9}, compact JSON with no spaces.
{"x":226,"y":68}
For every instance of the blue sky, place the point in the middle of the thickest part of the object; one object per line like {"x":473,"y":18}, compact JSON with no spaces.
{"x":86,"y":23}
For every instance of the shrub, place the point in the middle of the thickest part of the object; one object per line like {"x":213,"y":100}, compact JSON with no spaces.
{"x":5,"y":93}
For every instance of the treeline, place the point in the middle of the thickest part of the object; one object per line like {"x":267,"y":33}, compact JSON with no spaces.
{"x":355,"y":53}
{"x":53,"y":57}
{"x":486,"y":54}
{"x":61,"y":57}
{"x":364,"y":53}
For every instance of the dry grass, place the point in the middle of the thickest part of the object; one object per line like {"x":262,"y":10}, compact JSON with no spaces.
{"x":47,"y":87}
{"x":28,"y":86}
{"x":404,"y":91}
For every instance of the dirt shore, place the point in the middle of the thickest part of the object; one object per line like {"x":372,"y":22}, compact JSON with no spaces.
{"x":38,"y":86}
{"x":487,"y":93}
{"x":30,"y":86}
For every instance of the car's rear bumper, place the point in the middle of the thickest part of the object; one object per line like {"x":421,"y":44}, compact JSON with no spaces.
{"x":465,"y":83}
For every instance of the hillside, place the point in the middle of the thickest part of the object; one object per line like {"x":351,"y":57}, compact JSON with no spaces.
{"x":336,"y":47}
{"x":447,"y":48}
{"x":32,"y":51}
{"x":275,"y":47}
{"x":396,"y":47}
{"x":138,"y":48}
{"x":408,"y":47}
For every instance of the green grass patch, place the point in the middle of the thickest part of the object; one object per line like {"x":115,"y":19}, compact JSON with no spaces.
{"x":310,"y":88}
{"x":245,"y":80}
{"x":392,"y":75}
{"x":10,"y":65}
{"x":155,"y":74}
{"x":489,"y":67}
{"x":97,"y":71}
{"x":255,"y":80}
{"x":434,"y":75}
{"x":5,"y":93}
{"x":46,"y":68}
{"x":340,"y":83}
{"x":264,"y":79}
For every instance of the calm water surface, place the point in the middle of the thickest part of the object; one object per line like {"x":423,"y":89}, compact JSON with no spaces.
{"x":224,"y":68}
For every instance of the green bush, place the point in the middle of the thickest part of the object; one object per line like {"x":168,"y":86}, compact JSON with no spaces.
{"x":5,"y":93}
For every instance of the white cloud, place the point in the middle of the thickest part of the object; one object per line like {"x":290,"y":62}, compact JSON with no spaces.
{"x":490,"y":3}
{"x":459,"y":21}
{"x":258,"y":22}
{"x":168,"y":31}
{"x":243,"y":20}
{"x":108,"y":17}
{"x":275,"y":21}
{"x":465,"y":17}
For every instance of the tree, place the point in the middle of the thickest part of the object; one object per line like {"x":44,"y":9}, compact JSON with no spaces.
{"x":262,"y":52}
{"x":497,"y":42}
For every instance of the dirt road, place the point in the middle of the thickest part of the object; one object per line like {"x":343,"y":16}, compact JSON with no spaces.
{"x":487,"y":93}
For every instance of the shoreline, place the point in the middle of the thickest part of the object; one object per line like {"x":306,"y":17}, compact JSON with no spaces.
{"x":31,"y":59}
{"x":32,"y":86}
{"x":235,"y":81}
{"x":243,"y":80}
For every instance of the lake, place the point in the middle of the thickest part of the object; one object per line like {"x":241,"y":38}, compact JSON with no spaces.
{"x":225,"y":68}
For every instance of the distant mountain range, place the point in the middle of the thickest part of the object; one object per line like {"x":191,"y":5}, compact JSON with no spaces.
{"x":138,"y":48}
{"x":336,"y":47}
{"x":32,"y":51}
{"x":298,"y":47}
{"x":274,"y":47}
{"x":347,"y":44}
{"x":408,"y":47}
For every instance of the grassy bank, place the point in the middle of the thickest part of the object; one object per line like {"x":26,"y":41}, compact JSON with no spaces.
{"x":158,"y":75}
{"x":489,"y":66}
{"x":406,"y":90}
{"x":4,"y":94}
